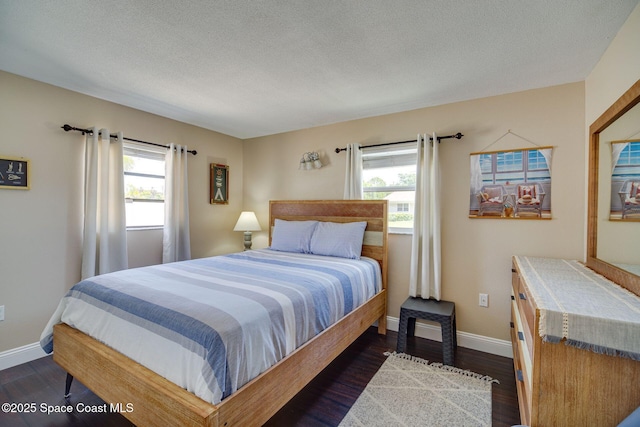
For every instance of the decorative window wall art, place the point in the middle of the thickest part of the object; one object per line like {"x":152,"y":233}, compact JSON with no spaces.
{"x":219,"y":184}
{"x":513,"y":184}
{"x":15,"y":173}
{"x":625,"y":180}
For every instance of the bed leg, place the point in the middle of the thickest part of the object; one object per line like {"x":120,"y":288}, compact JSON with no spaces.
{"x":382,"y":325}
{"x":67,"y":386}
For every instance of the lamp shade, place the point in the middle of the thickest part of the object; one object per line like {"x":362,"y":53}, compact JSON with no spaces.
{"x":247,"y":222}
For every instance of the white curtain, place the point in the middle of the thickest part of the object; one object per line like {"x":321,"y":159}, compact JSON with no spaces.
{"x":176,"y":243}
{"x":547,"y":153}
{"x":616,"y":150}
{"x":425,"y":272}
{"x":104,"y":246}
{"x":476,"y":174}
{"x":353,"y":178}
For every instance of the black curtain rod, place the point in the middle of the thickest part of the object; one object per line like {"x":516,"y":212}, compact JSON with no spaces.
{"x":67,"y":128}
{"x":456,"y":136}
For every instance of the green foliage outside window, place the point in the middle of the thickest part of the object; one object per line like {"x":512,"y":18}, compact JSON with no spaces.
{"x":132,"y":192}
{"x":375,"y":195}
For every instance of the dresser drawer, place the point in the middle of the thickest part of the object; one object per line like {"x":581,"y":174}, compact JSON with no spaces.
{"x":522,"y":368}
{"x":522,"y":346}
{"x":525,"y":303}
{"x":514,"y":278}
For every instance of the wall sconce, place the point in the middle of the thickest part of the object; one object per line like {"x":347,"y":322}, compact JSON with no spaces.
{"x":310,"y":160}
{"x":247,"y":223}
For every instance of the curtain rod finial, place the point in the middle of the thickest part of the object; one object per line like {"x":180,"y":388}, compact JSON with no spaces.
{"x":68,"y":128}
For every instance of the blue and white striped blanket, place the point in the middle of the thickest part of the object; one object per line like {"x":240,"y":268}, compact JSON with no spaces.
{"x":211,"y":325}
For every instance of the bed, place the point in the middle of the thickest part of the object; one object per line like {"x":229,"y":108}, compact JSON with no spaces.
{"x":149,"y":399}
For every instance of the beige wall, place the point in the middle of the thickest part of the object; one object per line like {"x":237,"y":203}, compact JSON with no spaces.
{"x":617,"y":70}
{"x":476,"y":252}
{"x":40,"y":229}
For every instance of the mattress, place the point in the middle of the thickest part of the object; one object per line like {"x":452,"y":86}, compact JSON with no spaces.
{"x":211,"y":325}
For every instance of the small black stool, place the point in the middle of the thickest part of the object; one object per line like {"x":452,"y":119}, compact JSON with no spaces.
{"x":443,"y":312}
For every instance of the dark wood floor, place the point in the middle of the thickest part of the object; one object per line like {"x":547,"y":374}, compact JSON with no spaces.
{"x":324,"y":402}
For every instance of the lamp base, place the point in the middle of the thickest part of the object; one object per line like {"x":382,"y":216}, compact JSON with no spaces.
{"x":247,"y":240}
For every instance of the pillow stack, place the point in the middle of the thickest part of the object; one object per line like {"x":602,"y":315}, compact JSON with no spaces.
{"x":319,"y":238}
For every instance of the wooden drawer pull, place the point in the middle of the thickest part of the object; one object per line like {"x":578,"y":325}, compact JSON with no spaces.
{"x":522,"y":296}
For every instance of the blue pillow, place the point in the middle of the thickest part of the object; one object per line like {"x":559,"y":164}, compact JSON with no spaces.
{"x":292,"y":236}
{"x":338,"y":239}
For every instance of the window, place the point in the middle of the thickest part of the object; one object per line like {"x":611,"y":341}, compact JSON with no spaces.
{"x":389,"y":173}
{"x":628,"y":164}
{"x":514,"y":166}
{"x":144,"y":186}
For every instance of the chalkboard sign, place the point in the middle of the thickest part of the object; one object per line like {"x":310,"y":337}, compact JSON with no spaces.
{"x":14,"y":173}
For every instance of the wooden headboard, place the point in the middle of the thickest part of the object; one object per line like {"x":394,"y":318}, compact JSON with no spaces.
{"x":372,"y":211}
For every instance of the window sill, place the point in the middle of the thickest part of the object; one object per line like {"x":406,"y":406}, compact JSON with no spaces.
{"x":400,"y":231}
{"x":143,"y":228}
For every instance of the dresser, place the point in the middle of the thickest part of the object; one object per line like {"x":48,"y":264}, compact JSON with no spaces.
{"x":575,"y":335}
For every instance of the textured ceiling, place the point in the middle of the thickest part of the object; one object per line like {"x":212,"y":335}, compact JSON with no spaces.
{"x":254,"y":68}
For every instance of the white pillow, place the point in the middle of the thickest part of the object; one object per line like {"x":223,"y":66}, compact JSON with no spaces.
{"x":292,"y":236}
{"x":338,"y":239}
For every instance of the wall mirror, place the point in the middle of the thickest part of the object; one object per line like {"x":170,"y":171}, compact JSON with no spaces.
{"x":613,"y":246}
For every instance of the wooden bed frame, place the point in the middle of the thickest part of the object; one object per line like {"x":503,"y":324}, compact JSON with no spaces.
{"x":156,"y":401}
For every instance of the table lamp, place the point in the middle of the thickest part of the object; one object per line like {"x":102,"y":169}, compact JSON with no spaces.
{"x":247,"y":223}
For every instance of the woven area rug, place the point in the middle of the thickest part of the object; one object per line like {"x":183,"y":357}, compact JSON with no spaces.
{"x":408,"y":391}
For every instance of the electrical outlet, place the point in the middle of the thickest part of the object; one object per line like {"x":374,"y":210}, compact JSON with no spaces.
{"x":483,"y":301}
{"x":1,"y":313}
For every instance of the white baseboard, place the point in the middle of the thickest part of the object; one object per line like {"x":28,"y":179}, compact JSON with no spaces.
{"x":20,"y":355}
{"x":465,"y":339}
{"x":27,"y":353}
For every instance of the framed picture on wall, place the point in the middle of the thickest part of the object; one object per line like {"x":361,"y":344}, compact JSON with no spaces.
{"x":219,"y":184}
{"x":511,"y":184}
{"x":15,"y":173}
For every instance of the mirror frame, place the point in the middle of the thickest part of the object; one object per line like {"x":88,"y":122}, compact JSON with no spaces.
{"x":627,"y":280}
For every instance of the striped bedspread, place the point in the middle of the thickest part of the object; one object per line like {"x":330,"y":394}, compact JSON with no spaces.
{"x":211,"y":325}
